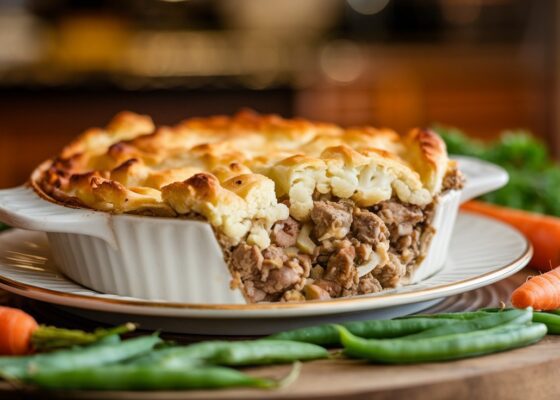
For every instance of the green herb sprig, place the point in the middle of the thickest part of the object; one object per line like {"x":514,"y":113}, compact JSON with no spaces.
{"x":534,"y":176}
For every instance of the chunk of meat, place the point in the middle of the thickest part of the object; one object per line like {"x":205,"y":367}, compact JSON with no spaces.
{"x":341,"y":268}
{"x":278,"y":280}
{"x":369,"y":284}
{"x":332,"y":220}
{"x":392,"y":212}
{"x":334,"y":289}
{"x":390,"y":274}
{"x":368,"y":227}
{"x":274,"y":256}
{"x":255,"y":295}
{"x":281,"y":272}
{"x":400,"y":219}
{"x":246,"y":260}
{"x":284,"y":233}
{"x":324,"y":251}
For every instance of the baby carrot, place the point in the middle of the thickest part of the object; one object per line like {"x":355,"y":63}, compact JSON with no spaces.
{"x":20,"y":334}
{"x":543,"y":231}
{"x":16,"y":329}
{"x":542,"y":292}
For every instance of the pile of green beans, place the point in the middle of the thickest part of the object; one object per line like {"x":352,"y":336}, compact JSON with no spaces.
{"x":412,"y":327}
{"x":148,"y":363}
{"x":134,"y":364}
{"x":451,"y":335}
{"x":107,"y":351}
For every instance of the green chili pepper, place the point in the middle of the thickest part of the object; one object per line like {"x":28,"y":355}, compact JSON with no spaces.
{"x":144,"y":377}
{"x":254,"y":352}
{"x":442,"y":348}
{"x":106,"y":351}
{"x":489,"y":320}
{"x":327,"y":335}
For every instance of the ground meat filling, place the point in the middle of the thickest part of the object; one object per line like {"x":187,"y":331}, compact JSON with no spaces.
{"x":356,"y":251}
{"x":454,"y":180}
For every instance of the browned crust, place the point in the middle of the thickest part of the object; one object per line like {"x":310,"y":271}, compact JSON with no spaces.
{"x":427,"y":154}
{"x":129,"y":165}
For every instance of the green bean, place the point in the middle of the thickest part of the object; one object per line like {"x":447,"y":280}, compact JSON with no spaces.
{"x":264,"y":351}
{"x":327,"y":335}
{"x":50,"y":337}
{"x":197,"y":353}
{"x":550,"y":319}
{"x":186,"y":355}
{"x":101,"y":353}
{"x":156,"y":356}
{"x":253,"y":352}
{"x":442,"y":348}
{"x":455,"y":316}
{"x":490,"y":320}
{"x":144,"y":377}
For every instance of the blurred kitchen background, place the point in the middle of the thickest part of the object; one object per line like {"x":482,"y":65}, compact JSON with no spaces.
{"x":481,"y":65}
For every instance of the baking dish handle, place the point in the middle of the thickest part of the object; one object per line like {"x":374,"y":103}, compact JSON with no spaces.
{"x":21,"y":207}
{"x":481,"y":177}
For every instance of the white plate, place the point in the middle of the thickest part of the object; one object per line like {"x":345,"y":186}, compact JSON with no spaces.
{"x":482,"y":251}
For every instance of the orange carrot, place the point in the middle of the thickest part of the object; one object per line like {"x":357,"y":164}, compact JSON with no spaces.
{"x":16,"y":329}
{"x":20,"y":334}
{"x":542,"y":231}
{"x":542,"y":292}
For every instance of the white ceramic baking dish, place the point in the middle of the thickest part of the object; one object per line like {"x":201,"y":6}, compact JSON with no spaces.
{"x":180,"y":260}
